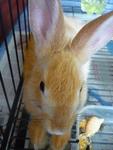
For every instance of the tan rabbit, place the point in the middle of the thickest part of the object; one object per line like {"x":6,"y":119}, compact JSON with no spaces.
{"x":55,"y":70}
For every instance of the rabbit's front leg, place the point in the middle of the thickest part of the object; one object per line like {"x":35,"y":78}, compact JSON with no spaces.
{"x":58,"y":142}
{"x":37,"y":134}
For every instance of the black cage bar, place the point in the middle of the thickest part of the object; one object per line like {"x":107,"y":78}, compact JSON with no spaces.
{"x":12,"y":46}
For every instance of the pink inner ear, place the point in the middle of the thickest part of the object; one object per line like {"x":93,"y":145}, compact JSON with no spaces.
{"x":47,"y":24}
{"x":41,"y":15}
{"x":46,"y":16}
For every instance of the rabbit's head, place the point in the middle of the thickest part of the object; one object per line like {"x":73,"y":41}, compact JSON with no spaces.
{"x":63,"y":61}
{"x":60,"y":92}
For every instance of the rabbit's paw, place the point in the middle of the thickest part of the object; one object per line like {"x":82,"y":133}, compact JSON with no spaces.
{"x":37,"y":135}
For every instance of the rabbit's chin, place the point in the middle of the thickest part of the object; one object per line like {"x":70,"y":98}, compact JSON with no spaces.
{"x":55,"y":132}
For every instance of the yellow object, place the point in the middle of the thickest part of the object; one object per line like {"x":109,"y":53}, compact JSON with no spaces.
{"x":90,"y":127}
{"x":83,"y":142}
{"x":93,"y":126}
{"x":83,"y":124}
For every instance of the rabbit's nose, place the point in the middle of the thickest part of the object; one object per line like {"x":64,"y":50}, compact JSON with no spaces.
{"x":55,"y":132}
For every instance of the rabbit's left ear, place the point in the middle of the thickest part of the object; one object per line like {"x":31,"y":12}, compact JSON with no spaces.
{"x":92,"y":37}
{"x":47,"y":23}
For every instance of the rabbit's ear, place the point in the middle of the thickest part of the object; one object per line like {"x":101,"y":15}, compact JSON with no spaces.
{"x":46,"y":20}
{"x":92,"y":37}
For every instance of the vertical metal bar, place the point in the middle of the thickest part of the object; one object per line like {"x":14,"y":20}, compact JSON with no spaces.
{"x":11,"y":118}
{"x":22,"y":130}
{"x":14,"y":123}
{"x":28,"y":18}
{"x":1,"y":131}
{"x":19,"y":24}
{"x":5,"y":93}
{"x":25,"y":24}
{"x":13,"y":31}
{"x":7,"y":51}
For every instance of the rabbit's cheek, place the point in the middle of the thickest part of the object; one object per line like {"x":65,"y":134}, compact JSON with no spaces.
{"x":82,"y":97}
{"x":39,"y":108}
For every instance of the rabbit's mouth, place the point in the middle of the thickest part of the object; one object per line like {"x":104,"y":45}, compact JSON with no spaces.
{"x":55,"y":132}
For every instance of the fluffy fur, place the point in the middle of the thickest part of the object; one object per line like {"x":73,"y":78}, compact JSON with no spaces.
{"x":57,"y":56}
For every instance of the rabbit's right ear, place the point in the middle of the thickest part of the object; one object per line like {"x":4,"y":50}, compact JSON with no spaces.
{"x":47,"y":23}
{"x":92,"y":37}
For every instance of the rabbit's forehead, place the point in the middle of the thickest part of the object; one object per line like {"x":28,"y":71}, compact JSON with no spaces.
{"x":62,"y":82}
{"x":53,"y":102}
{"x":63,"y":85}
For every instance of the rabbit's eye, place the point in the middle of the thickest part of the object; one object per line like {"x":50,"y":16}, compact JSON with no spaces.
{"x":80,"y":89}
{"x":42,"y":86}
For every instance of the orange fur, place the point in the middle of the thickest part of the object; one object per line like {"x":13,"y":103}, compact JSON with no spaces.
{"x":67,"y":84}
{"x":57,"y":58}
{"x":59,"y":142}
{"x":32,"y":77}
{"x":36,"y":130}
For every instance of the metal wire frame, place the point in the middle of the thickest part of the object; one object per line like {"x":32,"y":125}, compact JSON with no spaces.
{"x":14,"y":37}
{"x":14,"y":136}
{"x":7,"y":131}
{"x":7,"y":51}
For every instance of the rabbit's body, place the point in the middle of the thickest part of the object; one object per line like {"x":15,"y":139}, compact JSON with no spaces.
{"x":33,"y":74}
{"x":56,"y":68}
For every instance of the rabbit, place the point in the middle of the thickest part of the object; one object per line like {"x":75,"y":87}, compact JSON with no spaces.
{"x":56,"y":68}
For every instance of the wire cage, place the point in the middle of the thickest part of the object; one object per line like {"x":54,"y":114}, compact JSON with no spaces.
{"x":14,"y":23}
{"x":13,"y":117}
